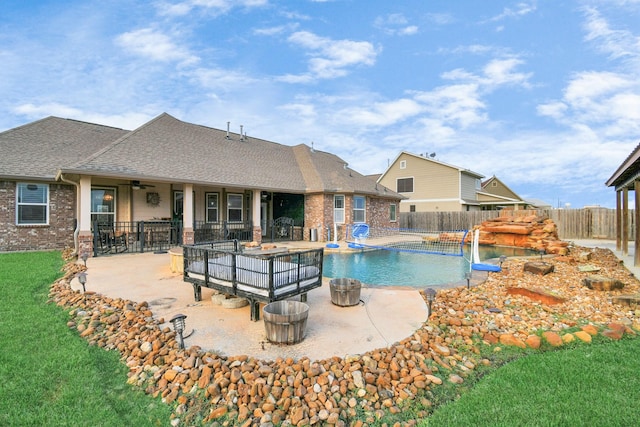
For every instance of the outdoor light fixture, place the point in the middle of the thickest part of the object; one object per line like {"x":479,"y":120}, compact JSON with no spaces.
{"x":178,"y":325}
{"x":467,"y":276}
{"x":431,"y":295}
{"x":542,"y":252}
{"x":503,"y":258}
{"x":82,"y":278}
{"x":84,"y":257}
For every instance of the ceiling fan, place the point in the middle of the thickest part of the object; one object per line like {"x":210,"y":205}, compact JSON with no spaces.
{"x":136,"y":185}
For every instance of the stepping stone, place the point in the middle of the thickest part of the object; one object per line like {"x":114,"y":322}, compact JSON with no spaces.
{"x":630,"y":300}
{"x":218,"y":298}
{"x":536,"y":295}
{"x":602,"y":283}
{"x":588,"y":268}
{"x":234,"y":302}
{"x":538,"y":267}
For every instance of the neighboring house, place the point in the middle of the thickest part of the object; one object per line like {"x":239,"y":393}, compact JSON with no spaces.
{"x":59,"y":177}
{"x":430,"y":185}
{"x":495,"y":195}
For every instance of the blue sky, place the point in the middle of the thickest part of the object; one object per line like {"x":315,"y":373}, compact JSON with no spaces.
{"x":543,"y":94}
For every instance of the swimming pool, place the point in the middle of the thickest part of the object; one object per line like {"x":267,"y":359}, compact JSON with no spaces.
{"x":383,"y":267}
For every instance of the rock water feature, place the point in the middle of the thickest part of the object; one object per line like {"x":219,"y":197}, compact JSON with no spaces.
{"x":204,"y":386}
{"x":527,"y":231}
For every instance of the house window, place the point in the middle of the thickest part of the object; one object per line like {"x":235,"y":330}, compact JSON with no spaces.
{"x":494,"y":184}
{"x":103,"y":205}
{"x":412,"y":208}
{"x":404,"y":185}
{"x":32,"y":204}
{"x":403,"y":164}
{"x":359,"y":209}
{"x":338,"y":209}
{"x":393,"y":212}
{"x":212,"y":207}
{"x":234,"y":207}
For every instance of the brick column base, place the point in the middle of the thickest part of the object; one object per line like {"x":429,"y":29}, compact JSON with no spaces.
{"x":257,"y":234}
{"x":188,"y":236}
{"x":85,"y":243}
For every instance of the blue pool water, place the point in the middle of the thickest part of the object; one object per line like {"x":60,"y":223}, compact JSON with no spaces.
{"x":395,"y":268}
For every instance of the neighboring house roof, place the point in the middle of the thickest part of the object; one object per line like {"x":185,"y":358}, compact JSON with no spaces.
{"x":169,"y":150}
{"x":537,"y":203}
{"x":429,"y":159}
{"x":498,"y":188}
{"x":37,"y":150}
{"x":627,"y":172}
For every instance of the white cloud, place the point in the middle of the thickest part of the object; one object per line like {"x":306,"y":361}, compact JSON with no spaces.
{"x":555,"y":110}
{"x":155,"y":45}
{"x":458,"y":105}
{"x":125,"y":120}
{"x":382,"y":113}
{"x":330,"y":58}
{"x":213,"y":6}
{"x":221,"y":79}
{"x":521,"y":9}
{"x":615,"y":43}
{"x":395,"y":24}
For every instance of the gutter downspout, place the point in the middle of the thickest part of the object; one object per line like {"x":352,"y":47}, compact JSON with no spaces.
{"x":76,"y":246}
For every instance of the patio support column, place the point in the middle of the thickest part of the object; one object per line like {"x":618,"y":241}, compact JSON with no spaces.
{"x":625,"y":221}
{"x":636,"y":245}
{"x":187,"y":215}
{"x":257,"y":229}
{"x":85,"y":238}
{"x":618,"y":220}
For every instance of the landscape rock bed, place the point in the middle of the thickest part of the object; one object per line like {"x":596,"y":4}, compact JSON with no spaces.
{"x":359,"y":389}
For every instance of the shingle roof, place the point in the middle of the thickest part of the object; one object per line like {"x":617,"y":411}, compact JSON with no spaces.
{"x":627,"y":172}
{"x":39,"y":149}
{"x":167,"y":149}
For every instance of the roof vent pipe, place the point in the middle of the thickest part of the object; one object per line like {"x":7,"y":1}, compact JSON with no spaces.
{"x":241,"y":135}
{"x":228,"y":123}
{"x":312,"y":149}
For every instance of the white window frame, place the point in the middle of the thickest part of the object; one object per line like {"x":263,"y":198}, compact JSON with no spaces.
{"x":403,"y":164}
{"x":357,"y":210}
{"x":230,"y":208}
{"x":393,"y":212}
{"x":21,"y":203}
{"x":338,"y":212}
{"x":207,"y":208}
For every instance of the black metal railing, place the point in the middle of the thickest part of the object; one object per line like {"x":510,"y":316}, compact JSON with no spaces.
{"x":223,"y":230}
{"x":155,"y":236}
{"x":135,"y":236}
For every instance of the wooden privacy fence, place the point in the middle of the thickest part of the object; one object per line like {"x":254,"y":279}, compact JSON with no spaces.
{"x":597,"y":223}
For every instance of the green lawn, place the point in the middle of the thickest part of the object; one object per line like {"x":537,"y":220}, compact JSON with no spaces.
{"x":49,"y":375}
{"x":595,"y":384}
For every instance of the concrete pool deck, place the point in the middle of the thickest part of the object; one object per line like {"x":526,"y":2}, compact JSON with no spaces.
{"x":383,"y":317}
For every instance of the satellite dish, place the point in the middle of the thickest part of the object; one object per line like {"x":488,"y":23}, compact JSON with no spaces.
{"x":432,"y":155}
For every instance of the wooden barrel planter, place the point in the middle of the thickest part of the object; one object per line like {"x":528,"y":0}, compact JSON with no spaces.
{"x":345,"y":292}
{"x":285,"y":321}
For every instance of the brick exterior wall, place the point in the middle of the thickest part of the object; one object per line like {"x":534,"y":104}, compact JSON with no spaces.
{"x":57,"y":235}
{"x":318,"y":213}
